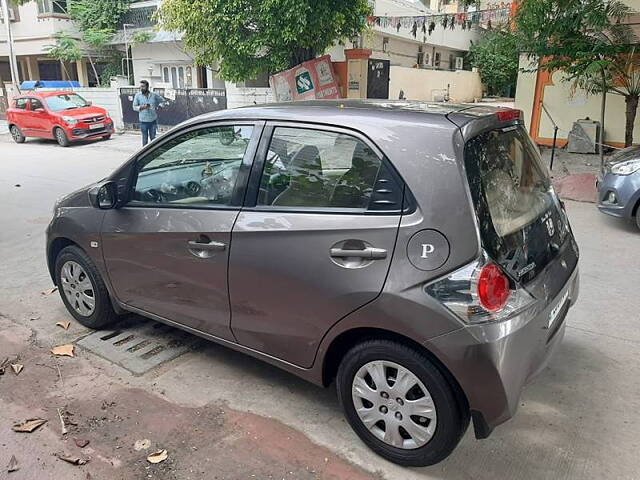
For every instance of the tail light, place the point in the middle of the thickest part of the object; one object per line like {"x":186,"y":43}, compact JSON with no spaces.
{"x":493,"y":288}
{"x":480,"y":293}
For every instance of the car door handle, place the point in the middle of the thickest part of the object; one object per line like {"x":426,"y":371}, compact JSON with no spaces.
{"x":369,"y":253}
{"x":216,"y":246}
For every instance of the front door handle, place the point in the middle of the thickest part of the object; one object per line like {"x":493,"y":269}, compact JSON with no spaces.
{"x":370,"y":253}
{"x":210,"y":246}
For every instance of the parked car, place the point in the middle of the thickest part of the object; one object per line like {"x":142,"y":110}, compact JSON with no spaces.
{"x":414,"y":254}
{"x":63,"y":115}
{"x":619,"y":186}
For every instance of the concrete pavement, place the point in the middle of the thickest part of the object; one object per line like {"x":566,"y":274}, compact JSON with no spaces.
{"x":221,"y":414}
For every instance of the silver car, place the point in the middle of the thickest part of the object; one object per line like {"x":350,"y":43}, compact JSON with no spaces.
{"x":415,"y":255}
{"x":619,"y":186}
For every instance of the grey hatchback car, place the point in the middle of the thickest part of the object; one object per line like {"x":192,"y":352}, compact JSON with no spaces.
{"x":415,"y":255}
{"x":619,"y":185}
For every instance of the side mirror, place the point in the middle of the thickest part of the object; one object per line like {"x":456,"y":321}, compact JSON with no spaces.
{"x":89,"y":103}
{"x":104,"y":195}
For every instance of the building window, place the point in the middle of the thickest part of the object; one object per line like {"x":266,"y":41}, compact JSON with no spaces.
{"x":420,"y":56}
{"x":52,"y":6}
{"x":436,"y":62}
{"x":178,"y":76}
{"x":385,"y":44}
{"x":452,"y":64}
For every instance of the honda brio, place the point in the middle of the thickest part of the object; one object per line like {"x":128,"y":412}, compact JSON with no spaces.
{"x":415,"y":255}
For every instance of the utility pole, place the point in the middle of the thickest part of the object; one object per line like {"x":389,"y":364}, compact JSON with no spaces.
{"x":13,"y":65}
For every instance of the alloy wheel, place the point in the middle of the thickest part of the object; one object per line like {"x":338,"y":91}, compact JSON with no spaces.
{"x":15,"y":133}
{"x":394,"y":404}
{"x":77,"y":288}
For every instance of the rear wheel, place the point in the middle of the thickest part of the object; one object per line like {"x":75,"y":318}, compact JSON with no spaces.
{"x":400,"y":404}
{"x":17,"y":135}
{"x":61,"y":137}
{"x":638,"y":216}
{"x":82,"y":289}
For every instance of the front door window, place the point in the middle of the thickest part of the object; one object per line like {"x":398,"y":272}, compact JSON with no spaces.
{"x":199,"y":168}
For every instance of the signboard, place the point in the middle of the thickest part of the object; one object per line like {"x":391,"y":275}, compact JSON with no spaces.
{"x":314,"y":79}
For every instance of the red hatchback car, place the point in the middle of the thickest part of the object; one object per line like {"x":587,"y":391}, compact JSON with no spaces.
{"x":63,"y":115}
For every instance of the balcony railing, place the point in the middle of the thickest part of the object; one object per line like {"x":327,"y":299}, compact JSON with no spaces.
{"x":138,"y":17}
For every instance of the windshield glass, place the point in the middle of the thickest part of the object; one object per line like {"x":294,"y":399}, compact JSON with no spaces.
{"x":521,"y":221}
{"x":65,"y":101}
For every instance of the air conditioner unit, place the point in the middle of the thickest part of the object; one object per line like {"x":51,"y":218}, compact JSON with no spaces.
{"x":459,"y":63}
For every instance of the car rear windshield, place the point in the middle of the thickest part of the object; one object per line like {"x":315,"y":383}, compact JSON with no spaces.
{"x":521,"y":221}
{"x":65,"y":101}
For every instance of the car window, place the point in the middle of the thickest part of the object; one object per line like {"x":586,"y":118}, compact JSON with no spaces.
{"x":198,"y":168}
{"x":21,"y":103}
{"x":65,"y":101}
{"x":35,"y":104}
{"x":314,"y":168}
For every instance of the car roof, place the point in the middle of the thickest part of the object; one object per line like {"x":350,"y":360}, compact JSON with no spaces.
{"x":347,"y":112}
{"x":44,"y":93}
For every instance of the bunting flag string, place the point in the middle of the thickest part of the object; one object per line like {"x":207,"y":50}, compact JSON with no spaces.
{"x":427,"y":24}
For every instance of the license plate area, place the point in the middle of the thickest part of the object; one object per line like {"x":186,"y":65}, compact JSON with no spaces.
{"x":96,"y":126}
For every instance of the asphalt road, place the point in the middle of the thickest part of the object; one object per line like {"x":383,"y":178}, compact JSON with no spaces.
{"x":579,"y":419}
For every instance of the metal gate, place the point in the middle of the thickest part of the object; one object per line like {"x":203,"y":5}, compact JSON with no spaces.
{"x":378,"y":79}
{"x":181,"y":104}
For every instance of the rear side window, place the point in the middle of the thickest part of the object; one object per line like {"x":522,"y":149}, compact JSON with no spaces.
{"x":518,"y":211}
{"x":21,"y":103}
{"x":308,"y":168}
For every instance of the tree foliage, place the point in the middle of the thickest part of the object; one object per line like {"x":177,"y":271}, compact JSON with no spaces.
{"x":97,"y":14}
{"x":496,"y":57}
{"x":589,"y":41}
{"x":250,"y":37}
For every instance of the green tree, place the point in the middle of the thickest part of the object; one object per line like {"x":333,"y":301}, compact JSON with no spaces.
{"x":97,"y":14}
{"x":66,"y":49}
{"x":496,"y":57}
{"x":250,"y":37}
{"x":589,"y":42}
{"x":97,"y":41}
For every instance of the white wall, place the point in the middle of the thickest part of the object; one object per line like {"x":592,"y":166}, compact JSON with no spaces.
{"x":243,"y":96}
{"x":31,"y":34}
{"x":419,"y":84}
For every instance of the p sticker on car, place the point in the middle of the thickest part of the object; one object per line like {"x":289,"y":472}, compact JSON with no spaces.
{"x":428,"y":250}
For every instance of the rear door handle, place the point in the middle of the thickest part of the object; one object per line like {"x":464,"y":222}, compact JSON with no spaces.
{"x":211,"y":246}
{"x":368,"y":253}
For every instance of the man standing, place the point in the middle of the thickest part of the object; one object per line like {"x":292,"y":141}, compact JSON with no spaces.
{"x":145,"y":103}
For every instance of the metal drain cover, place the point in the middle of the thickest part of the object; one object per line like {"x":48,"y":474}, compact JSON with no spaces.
{"x":139,"y":345}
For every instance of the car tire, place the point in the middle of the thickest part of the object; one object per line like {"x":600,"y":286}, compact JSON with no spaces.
{"x":107,"y":137}
{"x":446,"y":427}
{"x":61,"y":137}
{"x":75,"y":275}
{"x":638,"y":216}
{"x":17,"y":135}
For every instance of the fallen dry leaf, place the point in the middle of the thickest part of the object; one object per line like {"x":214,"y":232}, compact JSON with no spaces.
{"x":17,"y":368}
{"x":49,"y":291}
{"x":29,"y":425}
{"x":64,"y":325}
{"x":141,"y":444}
{"x":81,"y":442}
{"x":63,"y":351}
{"x":13,"y":464}
{"x":72,"y":459}
{"x":157,"y":457}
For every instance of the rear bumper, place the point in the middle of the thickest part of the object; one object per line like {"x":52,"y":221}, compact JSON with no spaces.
{"x":494,"y":362}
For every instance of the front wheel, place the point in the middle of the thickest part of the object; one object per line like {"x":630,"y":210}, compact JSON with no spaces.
{"x":107,"y":137}
{"x":638,"y":217}
{"x":61,"y":137}
{"x":82,"y":289}
{"x":400,"y":404}
{"x":17,"y":135}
